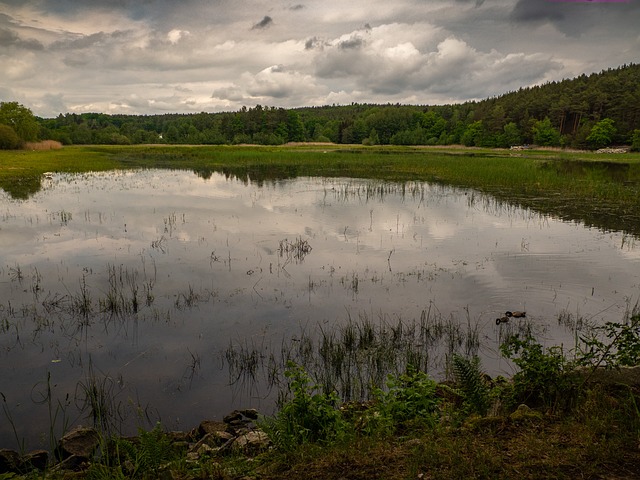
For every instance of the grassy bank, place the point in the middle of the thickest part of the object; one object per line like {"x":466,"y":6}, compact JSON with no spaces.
{"x":602,"y":190}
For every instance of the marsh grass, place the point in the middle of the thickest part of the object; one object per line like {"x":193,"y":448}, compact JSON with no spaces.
{"x":355,"y":358}
{"x":97,"y":397}
{"x":601,"y":190}
{"x":43,"y":394}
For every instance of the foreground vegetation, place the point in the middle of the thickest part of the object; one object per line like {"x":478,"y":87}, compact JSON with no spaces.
{"x":602,"y":190}
{"x":564,"y":414}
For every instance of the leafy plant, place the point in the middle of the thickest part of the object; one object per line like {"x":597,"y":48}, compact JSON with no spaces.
{"x":543,"y":379}
{"x":621,"y":350}
{"x":472,"y":383}
{"x":141,"y":459}
{"x":307,"y":417}
{"x":411,"y":396}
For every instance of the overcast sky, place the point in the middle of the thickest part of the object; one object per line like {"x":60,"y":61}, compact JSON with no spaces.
{"x":157,"y":56}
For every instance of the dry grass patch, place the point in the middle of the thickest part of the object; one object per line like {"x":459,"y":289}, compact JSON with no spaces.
{"x":43,"y":145}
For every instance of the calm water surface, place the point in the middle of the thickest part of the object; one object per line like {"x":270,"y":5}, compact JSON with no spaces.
{"x":143,"y":279}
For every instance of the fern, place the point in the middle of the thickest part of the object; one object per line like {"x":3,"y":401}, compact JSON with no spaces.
{"x":154,"y":449}
{"x":471,"y":383}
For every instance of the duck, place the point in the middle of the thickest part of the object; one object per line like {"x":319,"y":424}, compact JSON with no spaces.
{"x":516,"y":314}
{"x":502,"y":320}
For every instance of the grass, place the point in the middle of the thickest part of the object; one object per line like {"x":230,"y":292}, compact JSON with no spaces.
{"x":602,"y":190}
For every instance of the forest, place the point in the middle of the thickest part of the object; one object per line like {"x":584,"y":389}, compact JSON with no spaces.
{"x":586,"y":112}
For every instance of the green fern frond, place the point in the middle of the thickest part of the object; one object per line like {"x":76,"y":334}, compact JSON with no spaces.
{"x":471,"y":382}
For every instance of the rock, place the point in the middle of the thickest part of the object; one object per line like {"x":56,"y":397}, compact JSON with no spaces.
{"x":250,"y":413}
{"x":81,"y":442}
{"x":37,"y":459}
{"x":210,"y":426}
{"x":476,"y":423}
{"x":611,"y":376}
{"x":251,"y":442}
{"x":213,"y":440}
{"x":9,"y":461}
{"x":73,"y":463}
{"x":239,"y":422}
{"x":232,"y":417}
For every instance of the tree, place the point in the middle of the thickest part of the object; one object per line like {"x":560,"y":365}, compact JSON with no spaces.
{"x":20,"y":119}
{"x":544,"y":134}
{"x":601,"y":134}
{"x":511,"y":135}
{"x":9,"y":139}
{"x":295,"y":127}
{"x":635,"y":141}
{"x":473,"y":134}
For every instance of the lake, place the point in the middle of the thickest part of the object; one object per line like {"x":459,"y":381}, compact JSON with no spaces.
{"x":131,"y":293}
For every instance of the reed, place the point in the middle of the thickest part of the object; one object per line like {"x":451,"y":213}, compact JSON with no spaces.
{"x":355,"y":358}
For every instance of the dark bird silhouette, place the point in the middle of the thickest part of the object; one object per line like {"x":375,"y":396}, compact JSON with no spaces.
{"x":502,"y":320}
{"x":516,"y":314}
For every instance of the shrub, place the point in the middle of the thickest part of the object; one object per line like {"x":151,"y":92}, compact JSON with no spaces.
{"x":307,"y":417}
{"x":411,"y":396}
{"x":9,"y":139}
{"x":544,"y":378}
{"x":621,"y":350}
{"x":601,"y":134}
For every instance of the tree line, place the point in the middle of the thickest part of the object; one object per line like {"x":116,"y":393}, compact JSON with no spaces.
{"x":589,"y":111}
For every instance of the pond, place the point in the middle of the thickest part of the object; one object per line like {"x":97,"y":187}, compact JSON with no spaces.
{"x":130,"y":294}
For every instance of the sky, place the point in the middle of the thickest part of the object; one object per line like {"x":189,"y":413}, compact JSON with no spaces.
{"x":187,"y":56}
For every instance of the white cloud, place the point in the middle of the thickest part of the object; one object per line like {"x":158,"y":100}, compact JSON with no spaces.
{"x":147,"y":57}
{"x":175,"y":35}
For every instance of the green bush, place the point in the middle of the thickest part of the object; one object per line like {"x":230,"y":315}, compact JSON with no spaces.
{"x":544,"y":378}
{"x":410,"y":397}
{"x":622,"y":349}
{"x":307,"y":417}
{"x":601,"y":134}
{"x":9,"y":139}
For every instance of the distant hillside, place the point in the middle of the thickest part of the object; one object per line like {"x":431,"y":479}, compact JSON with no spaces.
{"x":584,"y":112}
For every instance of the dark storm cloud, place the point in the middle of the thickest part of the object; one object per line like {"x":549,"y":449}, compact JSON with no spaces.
{"x":264,"y":23}
{"x":477,"y":2}
{"x":9,"y":38}
{"x":352,"y":43}
{"x":538,"y":11}
{"x":576,"y":19}
{"x":311,"y":43}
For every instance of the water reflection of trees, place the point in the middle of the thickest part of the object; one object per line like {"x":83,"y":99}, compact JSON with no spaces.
{"x":602,"y":215}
